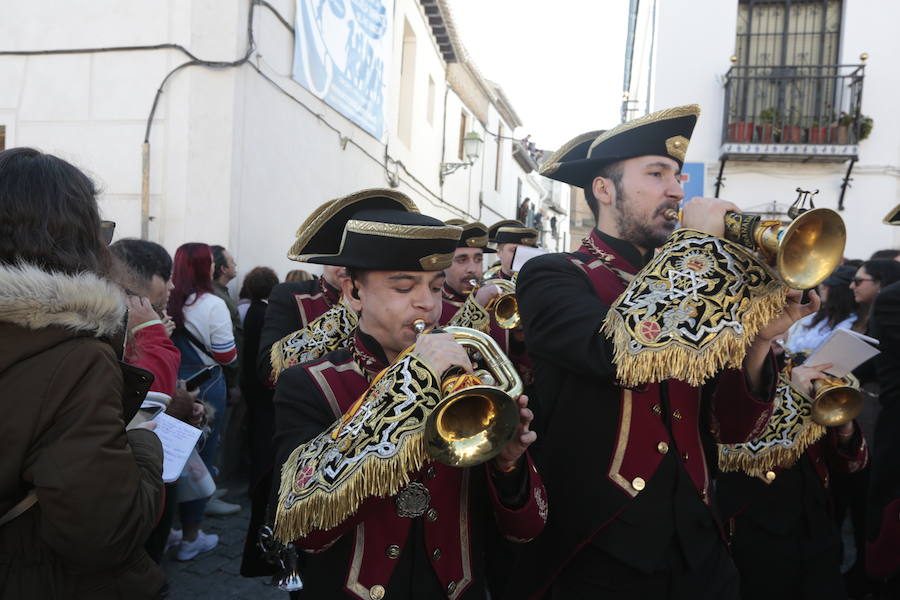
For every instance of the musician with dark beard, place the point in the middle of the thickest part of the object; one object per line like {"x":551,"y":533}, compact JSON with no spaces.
{"x":628,"y":467}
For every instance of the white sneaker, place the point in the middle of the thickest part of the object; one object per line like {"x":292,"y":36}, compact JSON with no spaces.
{"x":174,"y":540}
{"x":203,"y":543}
{"x":219,"y":508}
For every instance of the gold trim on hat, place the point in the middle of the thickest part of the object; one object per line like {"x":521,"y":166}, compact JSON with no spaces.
{"x":677,"y":146}
{"x":555,"y":161}
{"x":437,"y":262}
{"x":328,"y":210}
{"x":661,"y":115}
{"x":517,"y":230}
{"x":406,"y":232}
{"x":457,"y":222}
{"x":893,"y":216}
{"x":477,"y":242}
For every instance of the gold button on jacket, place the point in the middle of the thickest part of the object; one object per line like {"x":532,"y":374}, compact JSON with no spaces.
{"x":638,"y":483}
{"x":662,"y":447}
{"x":376,"y":592}
{"x":393,"y":551}
{"x":432,"y":514}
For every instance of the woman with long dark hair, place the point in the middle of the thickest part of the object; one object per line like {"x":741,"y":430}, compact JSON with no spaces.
{"x":204,"y":334}
{"x":870,"y":278}
{"x":837,"y":311}
{"x":78,"y":493}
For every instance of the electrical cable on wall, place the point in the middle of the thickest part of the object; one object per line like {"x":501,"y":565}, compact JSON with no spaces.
{"x":391,"y":175}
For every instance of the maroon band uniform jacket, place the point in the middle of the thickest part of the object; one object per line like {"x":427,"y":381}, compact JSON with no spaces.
{"x":377,"y":553}
{"x":627,"y":470}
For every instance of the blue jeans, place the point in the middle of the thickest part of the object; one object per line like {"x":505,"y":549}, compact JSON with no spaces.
{"x":215,"y":393}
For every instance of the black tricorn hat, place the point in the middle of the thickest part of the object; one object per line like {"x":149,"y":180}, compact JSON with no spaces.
{"x":320,"y":234}
{"x":893,"y":217}
{"x":380,"y":239}
{"x":510,"y":231}
{"x":663,"y":133}
{"x":474,"y":235}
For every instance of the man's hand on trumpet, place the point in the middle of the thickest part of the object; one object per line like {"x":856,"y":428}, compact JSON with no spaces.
{"x":509,"y":457}
{"x":442,"y":352}
{"x":706,"y":215}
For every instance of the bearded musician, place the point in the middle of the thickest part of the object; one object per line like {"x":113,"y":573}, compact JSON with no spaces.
{"x":425,"y":538}
{"x":627,"y":467}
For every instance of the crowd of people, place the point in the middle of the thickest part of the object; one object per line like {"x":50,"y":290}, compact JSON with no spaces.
{"x":597,"y":473}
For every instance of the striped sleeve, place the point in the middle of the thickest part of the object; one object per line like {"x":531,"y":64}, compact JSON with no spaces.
{"x":221,"y":333}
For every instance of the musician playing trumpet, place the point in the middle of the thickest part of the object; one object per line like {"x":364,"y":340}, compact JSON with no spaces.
{"x":425,"y":538}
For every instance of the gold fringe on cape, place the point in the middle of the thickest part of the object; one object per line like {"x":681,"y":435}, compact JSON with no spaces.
{"x":685,"y":362}
{"x":677,"y":319}
{"x":780,"y":456}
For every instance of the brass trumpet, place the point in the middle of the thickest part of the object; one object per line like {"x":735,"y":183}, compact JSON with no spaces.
{"x":505,"y":305}
{"x":836,"y":400}
{"x":479,"y":413}
{"x":804,"y":251}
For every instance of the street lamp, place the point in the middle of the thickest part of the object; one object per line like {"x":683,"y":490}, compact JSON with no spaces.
{"x":471,"y":148}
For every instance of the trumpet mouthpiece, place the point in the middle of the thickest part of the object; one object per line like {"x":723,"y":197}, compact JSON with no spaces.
{"x":673,"y":214}
{"x":419,"y":325}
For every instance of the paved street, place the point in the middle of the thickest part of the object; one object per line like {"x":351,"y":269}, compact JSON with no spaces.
{"x":216,"y":574}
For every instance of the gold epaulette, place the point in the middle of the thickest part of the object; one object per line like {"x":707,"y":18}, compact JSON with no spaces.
{"x":328,"y":332}
{"x":472,"y":315}
{"x":370,"y":451}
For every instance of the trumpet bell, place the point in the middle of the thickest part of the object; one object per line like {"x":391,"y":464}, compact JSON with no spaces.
{"x":810,"y":248}
{"x":835,"y":403}
{"x":506,"y":311}
{"x":471,"y":426}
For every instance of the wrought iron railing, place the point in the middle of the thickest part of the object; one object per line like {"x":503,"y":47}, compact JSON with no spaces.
{"x":795,"y":105}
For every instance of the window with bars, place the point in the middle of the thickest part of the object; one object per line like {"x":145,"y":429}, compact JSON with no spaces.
{"x":787,"y":85}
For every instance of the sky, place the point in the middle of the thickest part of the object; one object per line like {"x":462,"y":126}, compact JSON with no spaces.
{"x":560,"y":63}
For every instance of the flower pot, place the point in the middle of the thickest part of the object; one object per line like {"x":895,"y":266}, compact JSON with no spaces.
{"x":839,"y":134}
{"x":765,"y":134}
{"x":740,"y":131}
{"x":817,"y":135}
{"x":791,"y":134}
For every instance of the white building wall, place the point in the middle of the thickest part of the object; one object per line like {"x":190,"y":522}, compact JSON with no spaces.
{"x":693,"y":48}
{"x":234,"y":160}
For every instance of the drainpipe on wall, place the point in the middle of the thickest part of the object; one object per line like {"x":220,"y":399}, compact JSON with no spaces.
{"x":145,"y":190}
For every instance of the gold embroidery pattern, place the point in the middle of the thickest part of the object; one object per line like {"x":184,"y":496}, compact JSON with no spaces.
{"x":471,"y":315}
{"x":324,"y":334}
{"x":406,"y":232}
{"x":370,"y":451}
{"x":436,"y":262}
{"x":555,"y":161}
{"x":692,"y":311}
{"x":789,"y":432}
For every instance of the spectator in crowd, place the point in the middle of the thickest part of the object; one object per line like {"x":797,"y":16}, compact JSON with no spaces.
{"x":888,"y":254}
{"x":147,"y":272}
{"x":296,"y":275}
{"x":65,"y":532}
{"x":869,"y":279}
{"x":838,"y":311}
{"x":204,"y":335}
{"x":524,"y":208}
{"x":224,"y":270}
{"x":257,"y":394}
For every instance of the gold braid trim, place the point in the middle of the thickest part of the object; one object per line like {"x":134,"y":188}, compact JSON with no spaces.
{"x":789,"y":432}
{"x":472,"y":315}
{"x":369,"y":452}
{"x":692,"y":311}
{"x":328,"y":332}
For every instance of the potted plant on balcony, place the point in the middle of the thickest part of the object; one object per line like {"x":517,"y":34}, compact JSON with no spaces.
{"x":865,"y":126}
{"x":765,"y":132}
{"x":740,"y":131}
{"x":791,"y":133}
{"x":840,"y":129}
{"x":817,"y":134}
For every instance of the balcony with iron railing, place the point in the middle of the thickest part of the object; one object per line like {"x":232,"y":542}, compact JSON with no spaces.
{"x":794,"y":113}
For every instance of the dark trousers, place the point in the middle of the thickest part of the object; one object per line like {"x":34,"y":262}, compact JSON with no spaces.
{"x":595,"y":575}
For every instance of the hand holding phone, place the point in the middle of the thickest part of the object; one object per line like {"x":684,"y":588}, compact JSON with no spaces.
{"x":200,"y":377}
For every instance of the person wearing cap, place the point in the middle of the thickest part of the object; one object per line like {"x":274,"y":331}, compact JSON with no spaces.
{"x":508,"y":235}
{"x":467,"y":269}
{"x":424,"y":539}
{"x":633,"y":514}
{"x":883,"y":514}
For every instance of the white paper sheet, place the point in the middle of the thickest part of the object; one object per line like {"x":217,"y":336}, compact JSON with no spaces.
{"x":845,"y":350}
{"x":178,"y":439}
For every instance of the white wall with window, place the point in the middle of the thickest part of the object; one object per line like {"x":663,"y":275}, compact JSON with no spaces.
{"x":793,"y":48}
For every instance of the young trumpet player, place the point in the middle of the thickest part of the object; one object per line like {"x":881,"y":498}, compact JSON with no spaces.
{"x":377,"y":519}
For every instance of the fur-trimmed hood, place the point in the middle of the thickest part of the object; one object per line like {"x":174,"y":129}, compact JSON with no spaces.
{"x":85,"y":303}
